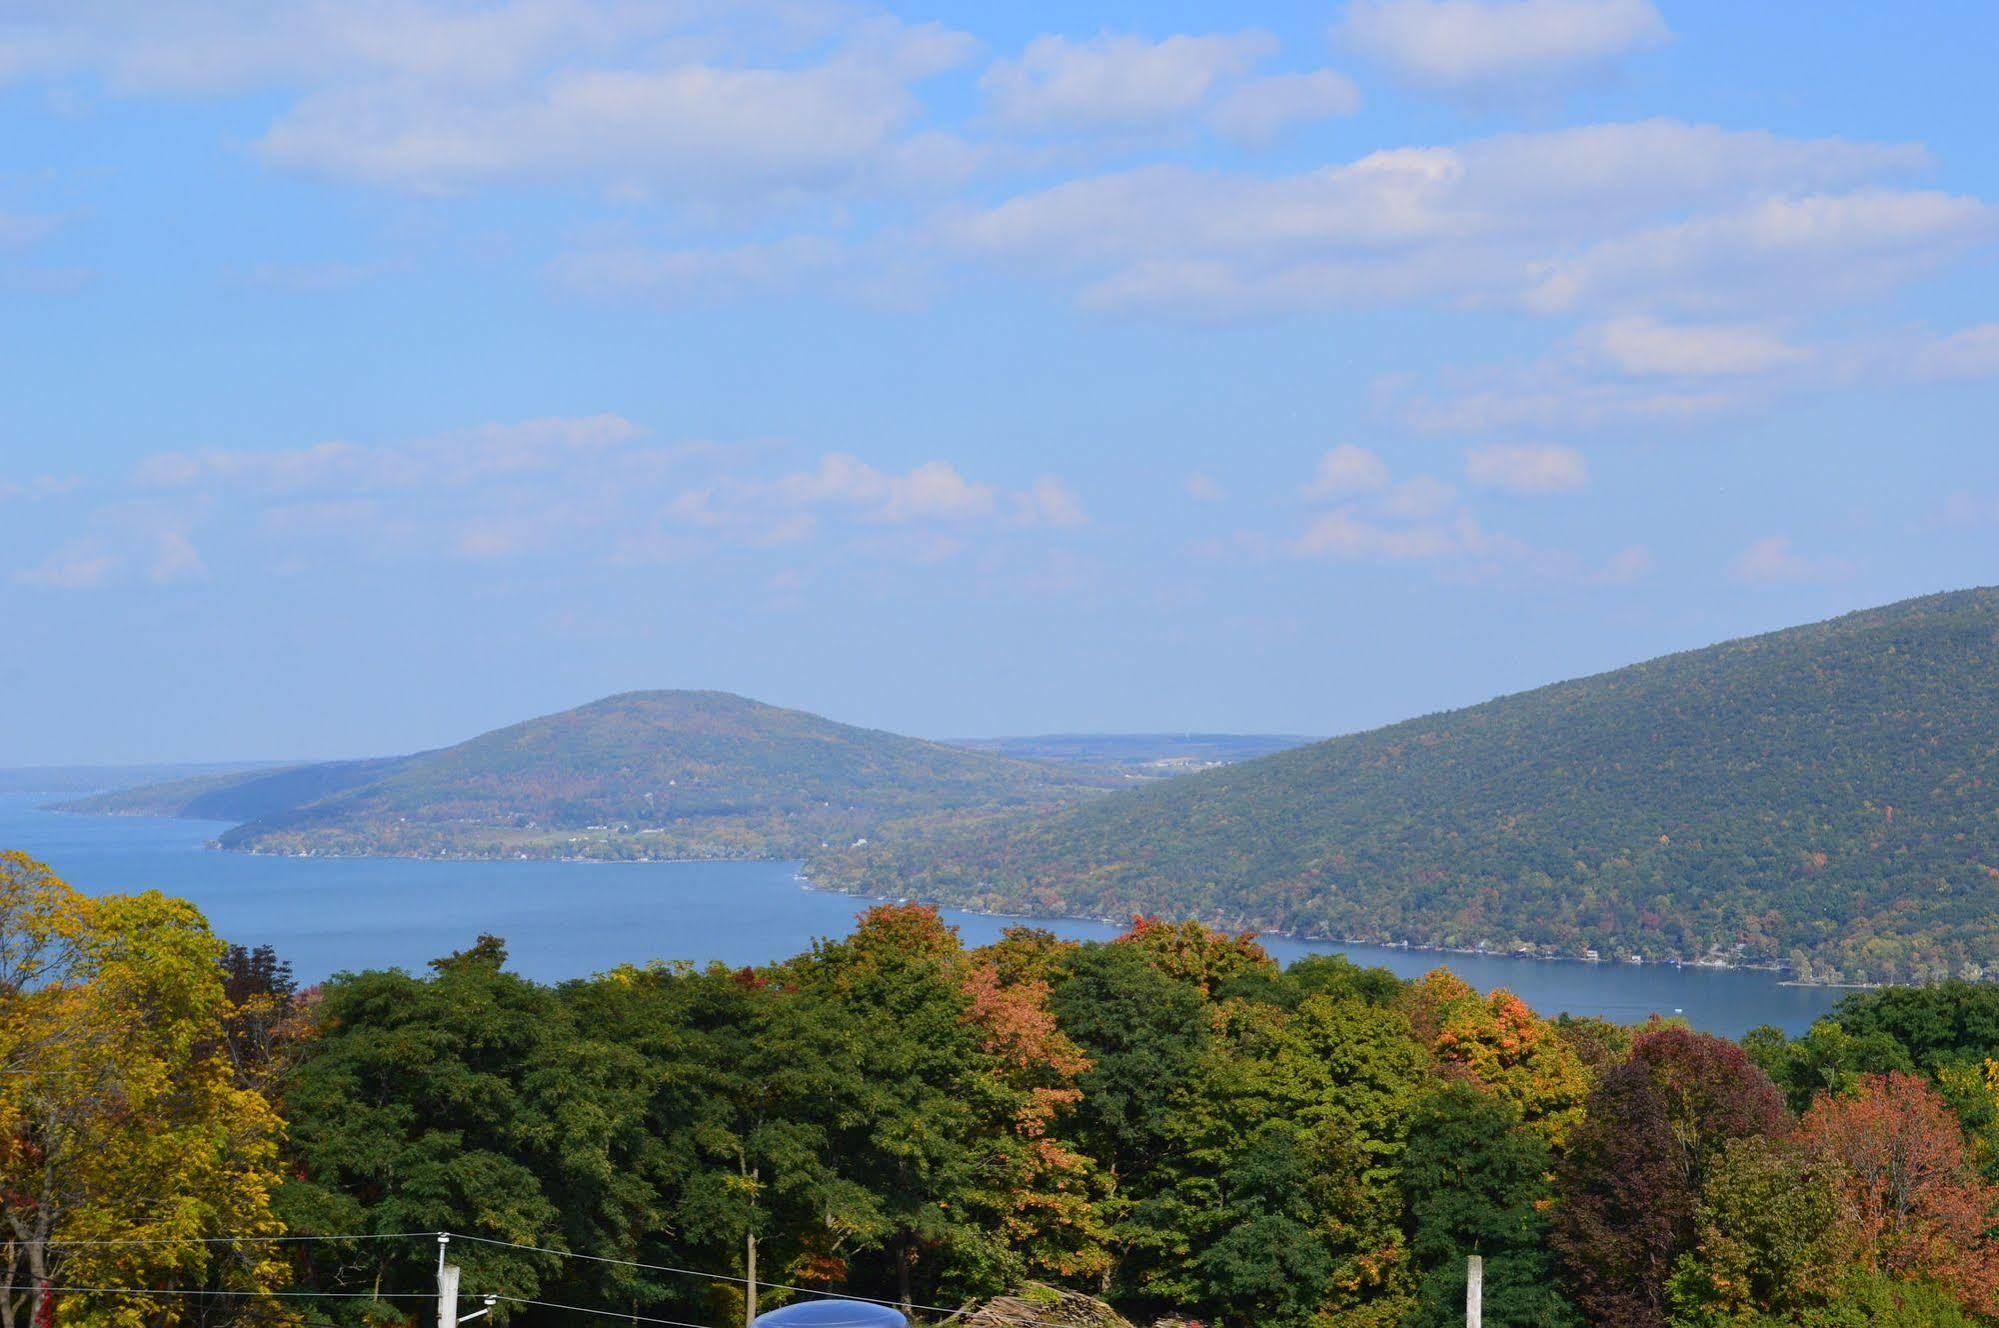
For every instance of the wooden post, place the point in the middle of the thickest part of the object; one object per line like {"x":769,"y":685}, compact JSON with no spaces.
{"x":1474,"y":1292}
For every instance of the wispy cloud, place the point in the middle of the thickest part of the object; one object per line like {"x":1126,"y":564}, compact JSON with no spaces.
{"x":757,"y":102}
{"x":1346,"y":469}
{"x":590,"y":488}
{"x":1116,"y":81}
{"x":128,"y":540}
{"x":1774,"y":561}
{"x":1373,"y":517}
{"x":1527,"y":468}
{"x":1483,"y":48}
{"x":1562,"y":222}
{"x":1204,"y":488}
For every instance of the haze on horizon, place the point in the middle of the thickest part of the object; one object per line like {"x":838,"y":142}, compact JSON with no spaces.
{"x":960,"y":371}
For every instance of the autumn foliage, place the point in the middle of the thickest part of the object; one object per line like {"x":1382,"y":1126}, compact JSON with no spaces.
{"x":1918,"y":1207}
{"x":1170,"y":1122}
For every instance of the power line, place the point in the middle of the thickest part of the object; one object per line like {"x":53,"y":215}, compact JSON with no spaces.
{"x":274,"y":1295}
{"x":608,"y":1314}
{"x":234,"y":1240}
{"x":720,"y":1277}
{"x":510,"y":1245}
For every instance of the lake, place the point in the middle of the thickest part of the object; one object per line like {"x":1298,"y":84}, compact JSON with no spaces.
{"x":566,"y":919}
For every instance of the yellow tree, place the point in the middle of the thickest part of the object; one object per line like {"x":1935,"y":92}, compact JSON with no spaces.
{"x":121,"y":1117}
{"x":1504,"y":1048}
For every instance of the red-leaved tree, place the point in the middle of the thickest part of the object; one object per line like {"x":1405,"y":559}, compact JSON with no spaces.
{"x":1917,"y":1202}
{"x":1631,"y":1183}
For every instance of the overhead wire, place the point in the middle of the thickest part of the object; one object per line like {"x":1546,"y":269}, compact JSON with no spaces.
{"x":238,"y":1240}
{"x":723,"y":1277}
{"x":670,"y":1269}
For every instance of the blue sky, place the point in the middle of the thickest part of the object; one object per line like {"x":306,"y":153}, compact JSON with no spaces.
{"x":386,"y":370}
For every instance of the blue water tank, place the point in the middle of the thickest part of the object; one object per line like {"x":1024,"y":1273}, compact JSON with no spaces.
{"x":832,"y":1313}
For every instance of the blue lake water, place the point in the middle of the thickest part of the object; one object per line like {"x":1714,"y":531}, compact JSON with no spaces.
{"x":563,"y":919}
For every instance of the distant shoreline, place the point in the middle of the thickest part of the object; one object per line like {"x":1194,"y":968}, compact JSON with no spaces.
{"x":810,"y":884}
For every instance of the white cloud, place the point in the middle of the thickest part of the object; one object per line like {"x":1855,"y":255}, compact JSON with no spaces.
{"x":198,"y":47}
{"x":1527,"y":468}
{"x":1204,"y":488}
{"x":697,"y":128}
{"x":1487,"y":46}
{"x":1558,"y":396}
{"x":1116,"y":81}
{"x":755,"y":101}
{"x":592,"y":487}
{"x":496,"y":451}
{"x":1970,"y":353}
{"x":1556,"y":221}
{"x":1627,"y":566}
{"x":1459,"y":547}
{"x":1641,"y":345}
{"x":1638,"y":370}
{"x":1418,"y":498}
{"x":1423,"y":520}
{"x":1345,"y":534}
{"x":126,"y":541}
{"x":1259,"y":110}
{"x":42,"y":486}
{"x":19,"y":228}
{"x":1346,"y":469}
{"x":1050,"y":502}
{"x":1819,"y":248}
{"x":1773,"y":560}
{"x":933,"y":491}
{"x":79,"y":565}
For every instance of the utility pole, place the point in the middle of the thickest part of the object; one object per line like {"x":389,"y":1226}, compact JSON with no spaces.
{"x":447,"y":1287}
{"x":447,"y":1291}
{"x":1474,"y":1292}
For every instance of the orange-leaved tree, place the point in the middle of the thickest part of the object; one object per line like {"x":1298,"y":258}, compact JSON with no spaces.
{"x":1920,"y":1208}
{"x":1504,"y":1049}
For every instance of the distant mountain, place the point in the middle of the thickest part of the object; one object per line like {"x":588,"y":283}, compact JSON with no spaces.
{"x":1141,"y":755}
{"x":1827,"y":795}
{"x":94,"y":778}
{"x":642,"y":775}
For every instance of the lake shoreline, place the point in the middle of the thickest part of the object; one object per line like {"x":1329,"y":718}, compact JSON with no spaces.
{"x":1774,"y":968}
{"x":328,"y":914}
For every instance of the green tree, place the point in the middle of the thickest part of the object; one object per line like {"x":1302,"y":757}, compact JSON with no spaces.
{"x":749,"y":1081}
{"x":951,"y":1136}
{"x":1770,"y":1241}
{"x":461,"y":1102}
{"x":1476,"y":1182}
{"x":1268,"y":1263}
{"x":1148,"y":1038}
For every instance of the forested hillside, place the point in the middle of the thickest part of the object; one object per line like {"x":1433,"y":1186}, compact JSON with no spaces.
{"x":1168,"y":1122}
{"x":1826,"y":796}
{"x":640,"y":775}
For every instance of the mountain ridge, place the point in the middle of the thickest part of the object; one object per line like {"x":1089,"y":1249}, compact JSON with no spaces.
{"x":1821,"y":796}
{"x":648,"y":774}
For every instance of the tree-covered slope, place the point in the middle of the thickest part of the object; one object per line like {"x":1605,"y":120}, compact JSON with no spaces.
{"x":1828,"y":794}
{"x":236,"y":795}
{"x":644,"y":774}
